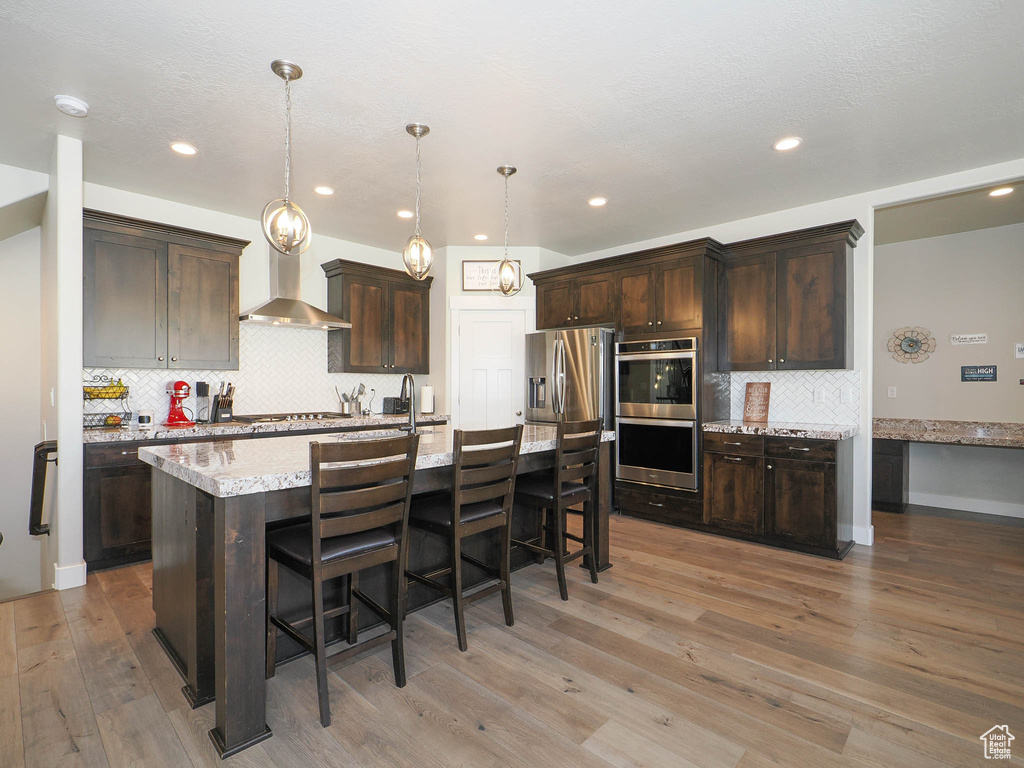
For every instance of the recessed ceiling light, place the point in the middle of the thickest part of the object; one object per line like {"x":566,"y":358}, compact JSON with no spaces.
{"x":480,"y":237}
{"x":69,"y":105}
{"x":1000,"y":192}
{"x":183,"y":148}
{"x":403,"y":214}
{"x":597,"y":202}
{"x":790,"y":142}
{"x":324,"y":190}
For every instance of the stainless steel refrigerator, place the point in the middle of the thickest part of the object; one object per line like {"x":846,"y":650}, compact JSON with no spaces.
{"x":569,"y":376}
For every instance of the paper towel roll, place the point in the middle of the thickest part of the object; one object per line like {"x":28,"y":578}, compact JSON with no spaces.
{"x":426,"y":399}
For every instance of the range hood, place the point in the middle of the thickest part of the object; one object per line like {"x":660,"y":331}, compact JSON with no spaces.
{"x":285,"y":307}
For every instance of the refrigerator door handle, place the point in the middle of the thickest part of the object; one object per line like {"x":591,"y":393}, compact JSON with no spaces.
{"x":554,"y":379}
{"x":561,"y":377}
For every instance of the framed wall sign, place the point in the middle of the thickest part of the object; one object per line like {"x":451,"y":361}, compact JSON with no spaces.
{"x":977,"y":373}
{"x":483,"y":275}
{"x":755,"y":404}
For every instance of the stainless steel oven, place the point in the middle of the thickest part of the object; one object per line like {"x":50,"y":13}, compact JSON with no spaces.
{"x":656,"y":451}
{"x":657,"y":379}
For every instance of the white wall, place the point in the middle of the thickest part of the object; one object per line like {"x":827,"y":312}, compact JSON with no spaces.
{"x":968,"y":282}
{"x":21,"y":569}
{"x":860,"y":207}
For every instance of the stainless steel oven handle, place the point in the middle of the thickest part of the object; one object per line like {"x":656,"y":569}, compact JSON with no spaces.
{"x":656,"y":422}
{"x":680,"y":355}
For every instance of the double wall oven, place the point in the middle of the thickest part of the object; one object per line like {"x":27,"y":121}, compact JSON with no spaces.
{"x":656,"y":386}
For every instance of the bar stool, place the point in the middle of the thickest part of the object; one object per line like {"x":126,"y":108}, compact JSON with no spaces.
{"x":573,"y":481}
{"x":361,"y":490}
{"x":483,"y":484}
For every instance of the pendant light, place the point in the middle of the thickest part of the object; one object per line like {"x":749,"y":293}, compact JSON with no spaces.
{"x":285,"y":226}
{"x":510,"y":273}
{"x":418,"y":256}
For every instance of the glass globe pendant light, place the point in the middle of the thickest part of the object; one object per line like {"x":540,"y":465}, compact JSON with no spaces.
{"x":285,"y":225}
{"x":418,"y":256}
{"x":510,"y":273}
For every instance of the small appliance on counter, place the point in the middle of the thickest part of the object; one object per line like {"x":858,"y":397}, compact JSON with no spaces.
{"x":179,"y":392}
{"x":426,"y":399}
{"x":203,"y":401}
{"x":395,"y":405}
{"x":146,"y":419}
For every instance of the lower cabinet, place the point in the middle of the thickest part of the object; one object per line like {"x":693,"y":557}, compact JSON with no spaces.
{"x":117,"y":514}
{"x":788,"y":492}
{"x":890,"y":475}
{"x":734,"y":487}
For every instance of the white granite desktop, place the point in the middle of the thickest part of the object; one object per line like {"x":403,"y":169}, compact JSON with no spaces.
{"x":237,"y":467}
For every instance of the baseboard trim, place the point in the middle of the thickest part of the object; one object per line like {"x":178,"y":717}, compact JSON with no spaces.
{"x":983,"y":506}
{"x":864,"y":535}
{"x":69,"y":576}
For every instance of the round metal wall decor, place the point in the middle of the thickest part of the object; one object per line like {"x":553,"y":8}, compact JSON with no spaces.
{"x":911,"y":345}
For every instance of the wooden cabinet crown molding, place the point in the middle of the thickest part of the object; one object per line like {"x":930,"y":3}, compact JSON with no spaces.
{"x":346,"y":267}
{"x":848,"y":231}
{"x":704,"y":245}
{"x":113,"y":222}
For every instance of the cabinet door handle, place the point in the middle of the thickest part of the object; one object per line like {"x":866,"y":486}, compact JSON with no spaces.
{"x":649,"y":322}
{"x":161,"y":358}
{"x":798,"y":449}
{"x":732,"y":458}
{"x":385,"y":365}
{"x":659,"y":322}
{"x":782,"y":359}
{"x":728,"y":443}
{"x":769,"y":466}
{"x":770,"y":360}
{"x":129,"y":453}
{"x":174,"y":359}
{"x":652,"y":504}
{"x":575,"y":317}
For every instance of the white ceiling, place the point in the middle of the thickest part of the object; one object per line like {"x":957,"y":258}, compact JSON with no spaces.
{"x":667,"y":108}
{"x":949,"y":214}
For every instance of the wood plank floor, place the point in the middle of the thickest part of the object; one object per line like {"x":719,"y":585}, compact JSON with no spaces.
{"x":692,"y":651}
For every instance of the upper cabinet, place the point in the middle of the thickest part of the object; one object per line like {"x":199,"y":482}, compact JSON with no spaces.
{"x":390,"y":316}
{"x":649,"y":292}
{"x":156,"y":296}
{"x":785,"y":302}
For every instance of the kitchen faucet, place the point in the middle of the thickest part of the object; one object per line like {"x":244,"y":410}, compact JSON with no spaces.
{"x":410,"y":395}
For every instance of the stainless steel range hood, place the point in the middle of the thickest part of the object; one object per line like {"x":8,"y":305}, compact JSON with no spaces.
{"x":285,"y":307}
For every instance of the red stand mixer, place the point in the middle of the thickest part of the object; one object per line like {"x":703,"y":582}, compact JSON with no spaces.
{"x":179,"y":392}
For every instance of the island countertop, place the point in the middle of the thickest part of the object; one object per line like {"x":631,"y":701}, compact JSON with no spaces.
{"x":238,"y":467}
{"x":257,"y":428}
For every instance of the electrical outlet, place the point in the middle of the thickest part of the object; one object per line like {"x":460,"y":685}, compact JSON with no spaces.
{"x":819,"y":394}
{"x":891,"y":394}
{"x":846,"y":395}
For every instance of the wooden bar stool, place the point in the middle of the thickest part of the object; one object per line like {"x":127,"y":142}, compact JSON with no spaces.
{"x":361,"y":490}
{"x":483,"y":484}
{"x":573,"y":481}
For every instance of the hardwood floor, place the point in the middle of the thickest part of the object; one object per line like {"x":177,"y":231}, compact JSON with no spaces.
{"x":692,"y":651}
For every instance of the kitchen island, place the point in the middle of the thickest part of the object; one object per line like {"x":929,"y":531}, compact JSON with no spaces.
{"x":212,"y":505}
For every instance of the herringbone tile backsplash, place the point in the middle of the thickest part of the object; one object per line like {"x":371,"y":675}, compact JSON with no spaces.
{"x":792,"y":395}
{"x":280,"y":370}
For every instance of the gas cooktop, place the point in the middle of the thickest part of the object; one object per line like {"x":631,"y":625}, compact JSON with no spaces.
{"x":259,"y":418}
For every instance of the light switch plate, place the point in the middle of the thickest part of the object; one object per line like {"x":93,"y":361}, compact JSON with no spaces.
{"x":891,"y":393}
{"x":819,"y":394}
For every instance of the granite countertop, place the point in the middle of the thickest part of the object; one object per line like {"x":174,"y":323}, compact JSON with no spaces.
{"x":126,"y":434}
{"x":238,"y":467}
{"x":991,"y":433}
{"x":784,"y":429}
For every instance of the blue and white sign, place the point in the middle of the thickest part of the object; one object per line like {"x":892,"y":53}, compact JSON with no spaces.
{"x":977,"y":373}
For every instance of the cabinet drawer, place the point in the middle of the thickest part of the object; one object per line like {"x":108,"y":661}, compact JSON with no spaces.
{"x":115,"y":455}
{"x":800,"y":448}
{"x":655,"y":503}
{"x":747,"y":445}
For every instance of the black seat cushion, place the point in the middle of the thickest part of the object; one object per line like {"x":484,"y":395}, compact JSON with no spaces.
{"x":540,"y":486}
{"x":437,"y":510}
{"x":293,"y":546}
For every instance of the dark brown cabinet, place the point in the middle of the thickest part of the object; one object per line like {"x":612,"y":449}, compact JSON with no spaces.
{"x":117,"y":505}
{"x":890,"y":475}
{"x":734,"y":492}
{"x":784,"y":301}
{"x":156,"y":296}
{"x":800,"y":497}
{"x":636,"y":300}
{"x":594,"y":300}
{"x":554,"y":304}
{"x":791,"y":492}
{"x":390,"y":316}
{"x":679,"y":294}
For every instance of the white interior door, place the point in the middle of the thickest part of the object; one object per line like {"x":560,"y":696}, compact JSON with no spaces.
{"x":491,"y":368}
